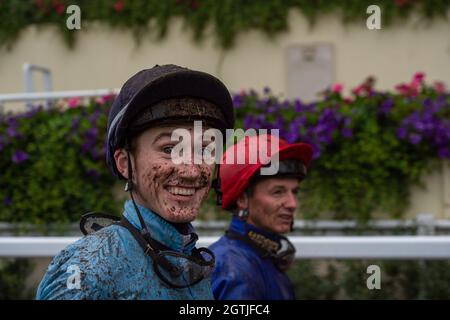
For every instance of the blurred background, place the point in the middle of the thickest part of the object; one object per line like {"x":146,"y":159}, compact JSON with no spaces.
{"x":367,"y":88}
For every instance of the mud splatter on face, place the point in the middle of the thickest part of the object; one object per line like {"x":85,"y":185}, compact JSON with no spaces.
{"x":175,"y":192}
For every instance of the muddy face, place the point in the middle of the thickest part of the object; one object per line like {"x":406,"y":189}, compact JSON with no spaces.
{"x":174,"y":191}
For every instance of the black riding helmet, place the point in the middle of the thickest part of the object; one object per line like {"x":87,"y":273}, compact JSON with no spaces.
{"x":161,"y":94}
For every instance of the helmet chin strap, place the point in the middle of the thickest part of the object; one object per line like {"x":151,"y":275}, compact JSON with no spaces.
{"x":216,"y":186}
{"x":130,"y":188}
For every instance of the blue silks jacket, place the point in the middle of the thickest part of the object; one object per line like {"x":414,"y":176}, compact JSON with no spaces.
{"x":112,"y":265}
{"x":241,"y":274}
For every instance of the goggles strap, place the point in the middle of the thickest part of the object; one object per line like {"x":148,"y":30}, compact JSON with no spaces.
{"x":264,"y":253}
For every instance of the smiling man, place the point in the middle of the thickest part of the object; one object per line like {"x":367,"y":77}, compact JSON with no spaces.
{"x":150,"y":253}
{"x":253,"y":255}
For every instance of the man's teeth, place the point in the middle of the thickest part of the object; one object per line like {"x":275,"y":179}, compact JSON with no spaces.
{"x":181,"y":191}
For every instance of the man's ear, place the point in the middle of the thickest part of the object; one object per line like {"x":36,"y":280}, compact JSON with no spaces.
{"x":121,"y":158}
{"x":242,"y":201}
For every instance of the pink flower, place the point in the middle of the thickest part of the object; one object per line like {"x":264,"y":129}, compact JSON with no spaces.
{"x":337,"y":88}
{"x":365,"y":87}
{"x":419,"y":76}
{"x":39,"y":3}
{"x":402,"y":88}
{"x":118,"y":6}
{"x":74,"y":102}
{"x":104,"y":99}
{"x":401,"y":3}
{"x":439,"y":87}
{"x":194,"y":4}
{"x":407,"y":90}
{"x":357,"y":91}
{"x":58,"y":6}
{"x":348,"y":100}
{"x":417,"y":80}
{"x":413,"y":88}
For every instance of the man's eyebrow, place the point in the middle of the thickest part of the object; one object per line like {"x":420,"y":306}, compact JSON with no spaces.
{"x":278,"y":186}
{"x":162,"y":135}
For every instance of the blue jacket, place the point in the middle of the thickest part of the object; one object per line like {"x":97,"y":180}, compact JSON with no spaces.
{"x":112,"y":265}
{"x":241,"y":274}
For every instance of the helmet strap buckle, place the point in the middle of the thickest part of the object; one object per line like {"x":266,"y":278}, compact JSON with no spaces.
{"x":243,"y":214}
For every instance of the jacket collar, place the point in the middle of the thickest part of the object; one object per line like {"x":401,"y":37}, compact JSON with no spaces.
{"x":265,"y":240}
{"x":160,"y":229}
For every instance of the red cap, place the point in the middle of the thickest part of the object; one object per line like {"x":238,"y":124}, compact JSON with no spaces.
{"x":236,"y":177}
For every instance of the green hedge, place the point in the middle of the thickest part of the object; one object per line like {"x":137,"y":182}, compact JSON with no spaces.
{"x":13,"y":275}
{"x":369,"y":150}
{"x":313,"y":279}
{"x":345,"y":279}
{"x":228,"y":18}
{"x":52,"y":164}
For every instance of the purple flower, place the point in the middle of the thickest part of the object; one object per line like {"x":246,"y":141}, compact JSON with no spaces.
{"x":292,"y":136}
{"x":271,"y":109}
{"x":31,"y":112}
{"x":316,"y":151}
{"x":237,"y":101}
{"x":92,"y":133}
{"x":415,"y":138}
{"x":7,"y":201}
{"x":386,"y":106}
{"x":279,"y":123}
{"x":347,"y":133}
{"x":93,"y":173}
{"x":12,"y":122}
{"x":93,"y":117}
{"x":285,"y":104}
{"x":401,"y":133}
{"x":19,"y":156}
{"x":347,"y":122}
{"x":419,"y":126}
{"x":94,"y":153}
{"x":444,"y":152}
{"x":259,"y":104}
{"x":12,"y":132}
{"x":248,"y":120}
{"x":2,"y":142}
{"x":86,"y":147}
{"x":298,"y":105}
{"x":266,"y":90}
{"x":75,"y":123}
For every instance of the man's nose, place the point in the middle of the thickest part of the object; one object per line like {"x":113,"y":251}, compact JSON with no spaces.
{"x":291,"y":201}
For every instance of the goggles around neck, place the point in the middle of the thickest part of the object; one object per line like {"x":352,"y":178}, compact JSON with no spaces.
{"x":280,"y":251}
{"x":175,"y":269}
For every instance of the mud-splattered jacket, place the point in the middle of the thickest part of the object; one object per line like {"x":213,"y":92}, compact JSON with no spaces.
{"x":112,"y":265}
{"x":241,"y":274}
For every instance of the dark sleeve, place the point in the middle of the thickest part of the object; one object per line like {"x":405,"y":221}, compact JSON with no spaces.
{"x":235,"y":277}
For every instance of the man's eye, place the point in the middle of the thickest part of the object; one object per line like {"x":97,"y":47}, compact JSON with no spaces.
{"x":168,"y":149}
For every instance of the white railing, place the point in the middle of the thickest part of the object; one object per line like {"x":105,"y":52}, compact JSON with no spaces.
{"x":48,"y":95}
{"x":51,"y":95}
{"x":423,"y":224}
{"x":348,"y":247}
